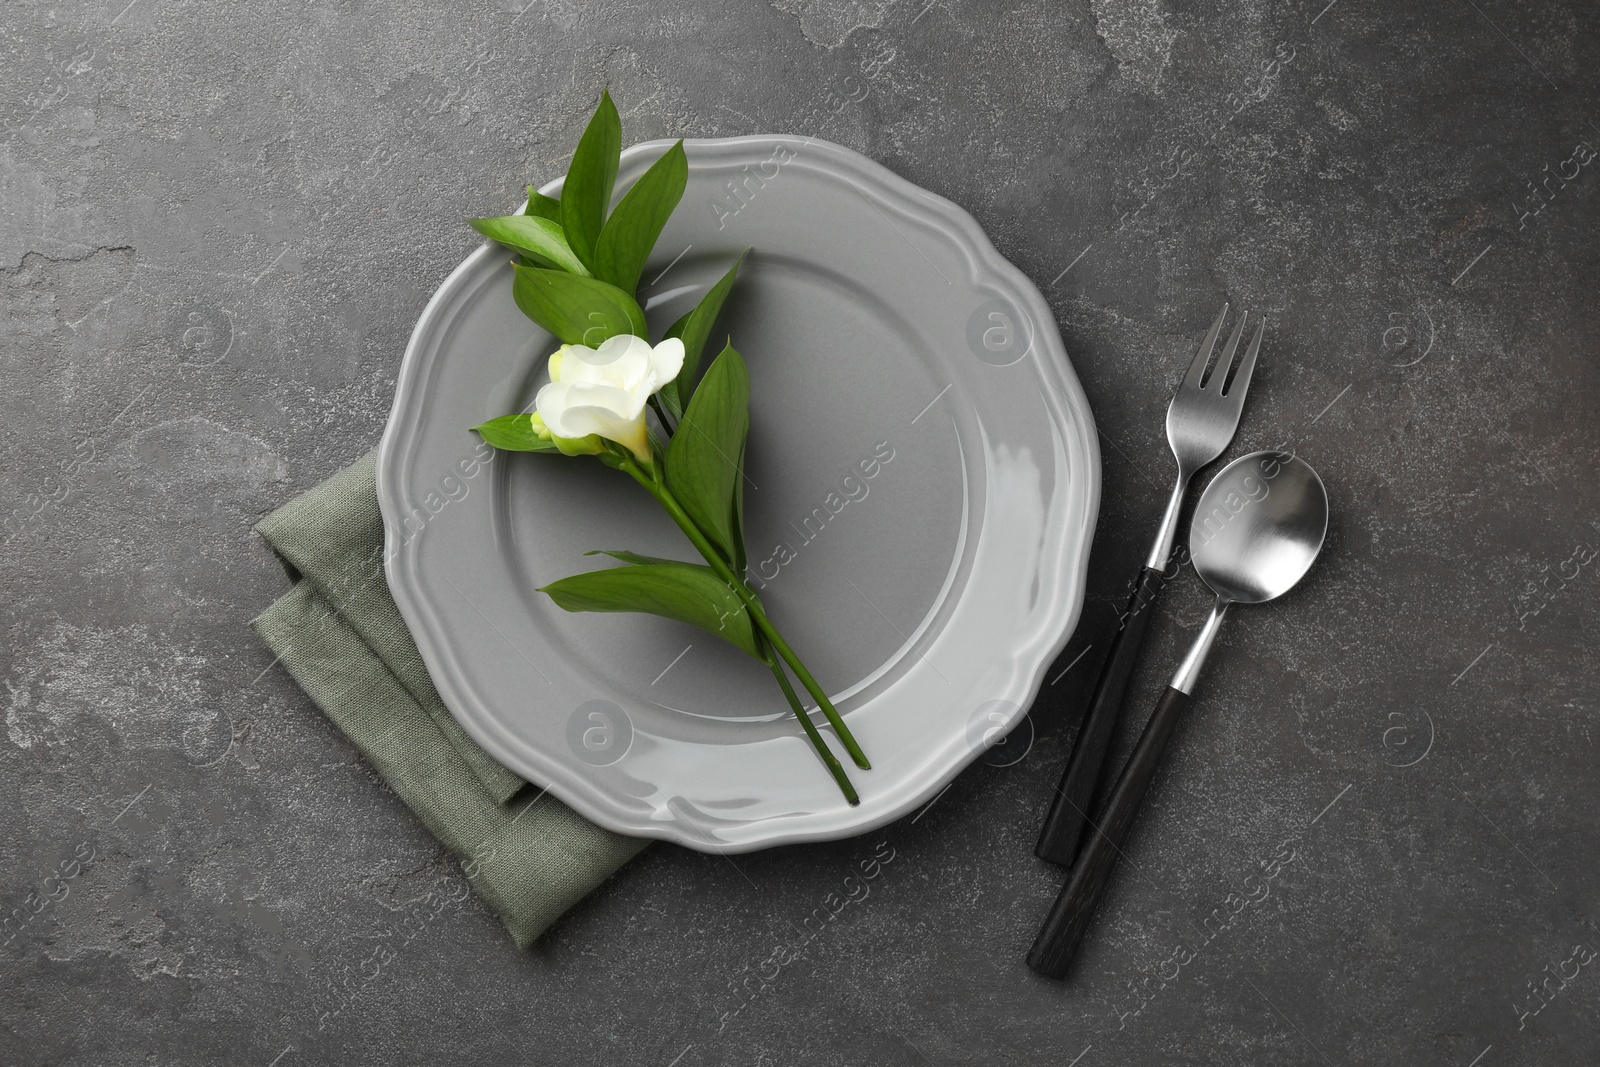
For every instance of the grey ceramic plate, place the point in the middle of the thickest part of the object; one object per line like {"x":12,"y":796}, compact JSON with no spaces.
{"x":923,"y":479}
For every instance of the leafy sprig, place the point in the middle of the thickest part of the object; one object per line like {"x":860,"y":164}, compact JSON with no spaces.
{"x":577,"y":271}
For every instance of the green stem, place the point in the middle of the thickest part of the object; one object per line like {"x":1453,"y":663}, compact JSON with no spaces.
{"x":661,"y":413}
{"x":818,"y":694}
{"x":751,"y":602}
{"x":829,"y":760}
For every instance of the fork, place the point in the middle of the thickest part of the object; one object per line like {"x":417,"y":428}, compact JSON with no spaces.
{"x":1200,"y":423}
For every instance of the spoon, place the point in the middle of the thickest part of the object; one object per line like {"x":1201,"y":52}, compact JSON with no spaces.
{"x":1256,"y":531}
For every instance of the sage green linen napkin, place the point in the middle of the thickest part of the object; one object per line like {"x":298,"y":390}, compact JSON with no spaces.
{"x":339,"y":633}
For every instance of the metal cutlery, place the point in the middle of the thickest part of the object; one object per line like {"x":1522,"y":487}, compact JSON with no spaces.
{"x":1256,"y":531}
{"x":1200,"y":423}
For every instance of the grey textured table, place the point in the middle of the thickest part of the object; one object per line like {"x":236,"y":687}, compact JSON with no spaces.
{"x":1374,"y":842}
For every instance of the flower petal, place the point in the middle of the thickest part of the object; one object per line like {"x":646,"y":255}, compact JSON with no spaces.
{"x":550,"y":407}
{"x":666,"y":360}
{"x":574,"y":409}
{"x":622,"y":361}
{"x":553,"y":364}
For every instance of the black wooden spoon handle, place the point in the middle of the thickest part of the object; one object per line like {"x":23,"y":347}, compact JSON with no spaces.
{"x":1052,"y":954}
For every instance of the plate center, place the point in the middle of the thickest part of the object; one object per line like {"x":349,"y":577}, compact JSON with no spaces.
{"x":852,"y":500}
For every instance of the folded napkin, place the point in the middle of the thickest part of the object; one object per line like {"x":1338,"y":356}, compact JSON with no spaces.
{"x":339,"y":633}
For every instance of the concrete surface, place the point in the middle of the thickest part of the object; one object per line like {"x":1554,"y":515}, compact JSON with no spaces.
{"x":1375,"y":841}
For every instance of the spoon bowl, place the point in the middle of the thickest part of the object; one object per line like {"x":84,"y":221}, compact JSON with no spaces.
{"x":1258,"y":527}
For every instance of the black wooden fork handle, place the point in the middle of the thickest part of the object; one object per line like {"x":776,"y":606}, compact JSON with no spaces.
{"x":1064,"y":827}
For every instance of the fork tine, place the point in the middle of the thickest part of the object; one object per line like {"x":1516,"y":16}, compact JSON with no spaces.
{"x":1197,"y":369}
{"x":1219,"y":373}
{"x":1241,"y":378}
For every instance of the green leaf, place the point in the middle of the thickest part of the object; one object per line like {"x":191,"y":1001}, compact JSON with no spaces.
{"x":543,"y":206}
{"x":631,"y":231}
{"x":738,"y":520}
{"x":514,"y":433}
{"x":668,"y":396}
{"x":694,"y":329}
{"x":703,"y":460}
{"x":532,"y":235}
{"x":586,"y":193}
{"x":578,"y":310}
{"x":687,"y":592}
{"x":633,"y":557}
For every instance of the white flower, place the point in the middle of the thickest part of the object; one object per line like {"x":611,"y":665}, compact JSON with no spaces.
{"x":603,"y":390}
